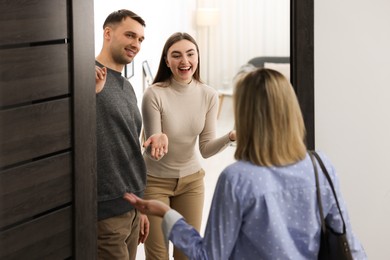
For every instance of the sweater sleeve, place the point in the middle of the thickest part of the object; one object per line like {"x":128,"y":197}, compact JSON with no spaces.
{"x":151,"y":113}
{"x":183,"y":236}
{"x":209,"y":145}
{"x":151,"y":117}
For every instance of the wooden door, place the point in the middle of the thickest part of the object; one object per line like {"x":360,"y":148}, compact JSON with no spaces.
{"x":47,"y":117}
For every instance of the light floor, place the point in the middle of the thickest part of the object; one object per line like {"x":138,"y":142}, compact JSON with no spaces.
{"x":212,"y":166}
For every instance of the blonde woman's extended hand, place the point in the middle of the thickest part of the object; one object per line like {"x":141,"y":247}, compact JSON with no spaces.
{"x":148,"y":207}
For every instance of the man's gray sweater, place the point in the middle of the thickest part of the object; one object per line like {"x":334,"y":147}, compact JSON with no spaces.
{"x":120,"y":165}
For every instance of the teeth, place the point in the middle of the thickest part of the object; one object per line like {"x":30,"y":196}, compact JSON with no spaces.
{"x":185,"y":68}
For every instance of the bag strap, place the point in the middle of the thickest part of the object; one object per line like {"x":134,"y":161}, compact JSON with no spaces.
{"x":323,"y":226}
{"x":325,"y":171}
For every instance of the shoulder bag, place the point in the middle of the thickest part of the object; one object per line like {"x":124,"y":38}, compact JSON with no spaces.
{"x":333,"y":245}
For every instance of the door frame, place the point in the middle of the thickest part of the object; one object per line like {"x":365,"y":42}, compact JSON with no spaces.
{"x":84,"y":125}
{"x":302,"y":61}
{"x":84,"y":130}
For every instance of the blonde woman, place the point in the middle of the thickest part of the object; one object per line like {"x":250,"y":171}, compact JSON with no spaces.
{"x":265,"y":204}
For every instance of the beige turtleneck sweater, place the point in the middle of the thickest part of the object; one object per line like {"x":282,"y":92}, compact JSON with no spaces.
{"x":183,"y":112}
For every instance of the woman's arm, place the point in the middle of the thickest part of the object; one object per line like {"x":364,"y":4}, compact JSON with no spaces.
{"x":209,"y":144}
{"x":182,"y":235}
{"x":156,"y":141}
{"x":151,"y":114}
{"x":224,"y":218}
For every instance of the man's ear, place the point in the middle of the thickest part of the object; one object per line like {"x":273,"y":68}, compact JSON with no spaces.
{"x":107,"y":33}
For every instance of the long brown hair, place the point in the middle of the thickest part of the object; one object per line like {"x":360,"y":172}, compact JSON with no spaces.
{"x":164,"y":73}
{"x":268,"y":120}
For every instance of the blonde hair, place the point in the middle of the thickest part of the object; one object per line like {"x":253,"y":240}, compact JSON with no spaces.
{"x":268,"y":120}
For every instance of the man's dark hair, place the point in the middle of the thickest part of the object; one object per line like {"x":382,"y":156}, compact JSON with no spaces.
{"x":118,"y":16}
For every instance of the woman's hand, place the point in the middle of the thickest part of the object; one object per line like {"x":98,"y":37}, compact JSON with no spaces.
{"x":158,"y":145}
{"x":148,"y":207}
{"x":100,"y":78}
{"x":232,"y":136}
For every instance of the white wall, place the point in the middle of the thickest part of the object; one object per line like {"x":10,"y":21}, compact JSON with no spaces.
{"x":352,"y":110}
{"x":246,"y":29}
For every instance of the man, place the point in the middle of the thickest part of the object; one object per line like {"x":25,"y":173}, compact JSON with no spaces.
{"x":120,"y":164}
